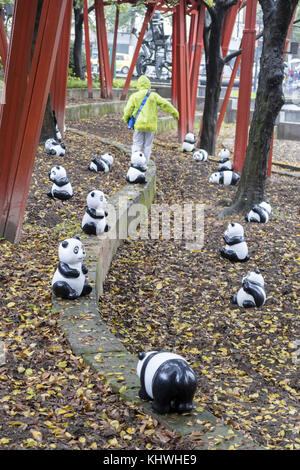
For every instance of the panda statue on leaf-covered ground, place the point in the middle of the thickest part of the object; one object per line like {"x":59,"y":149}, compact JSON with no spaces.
{"x":53,"y":147}
{"x":224,"y":177}
{"x":252,"y":293}
{"x":236,"y":247}
{"x":69,"y":281}
{"x":200,"y":155}
{"x":167,"y":380}
{"x":94,"y":219}
{"x":137,"y":170}
{"x":259,"y":213}
{"x":61,"y":188}
{"x":224,"y":160}
{"x":189,"y":142}
{"x":102,"y":163}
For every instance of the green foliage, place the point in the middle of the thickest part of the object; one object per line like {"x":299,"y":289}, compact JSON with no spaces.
{"x":74,"y":82}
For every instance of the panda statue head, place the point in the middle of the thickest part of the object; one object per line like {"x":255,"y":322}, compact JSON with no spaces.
{"x":96,"y":199}
{"x":224,"y":154}
{"x":200,"y":155}
{"x":108,"y":158}
{"x":234,"y":230}
{"x":57,"y":173}
{"x":138,"y":159}
{"x":214,"y":178}
{"x":71,"y":251}
{"x":255,"y":278}
{"x":266,"y":206}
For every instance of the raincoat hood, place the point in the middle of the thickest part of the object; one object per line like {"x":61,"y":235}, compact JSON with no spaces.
{"x":143,"y":83}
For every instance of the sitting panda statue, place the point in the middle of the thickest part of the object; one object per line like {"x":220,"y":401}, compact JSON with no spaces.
{"x":61,"y":188}
{"x":259,"y":213}
{"x":167,"y":379}
{"x":102,"y":163}
{"x":224,"y":177}
{"x":69,"y":281}
{"x":252,"y":293}
{"x":94,"y":219}
{"x":53,"y":147}
{"x":137,"y":169}
{"x":189,"y":142}
{"x":236,"y":247}
{"x":224,"y":160}
{"x":200,"y":155}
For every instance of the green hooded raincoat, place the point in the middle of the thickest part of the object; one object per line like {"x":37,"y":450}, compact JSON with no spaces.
{"x":147,"y":119}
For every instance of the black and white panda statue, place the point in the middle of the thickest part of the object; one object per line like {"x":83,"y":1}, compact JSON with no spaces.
{"x":167,"y":380}
{"x":61,"y":188}
{"x":69,"y":281}
{"x":102,"y":163}
{"x":224,"y":160}
{"x":259,"y":213}
{"x":236,"y":247}
{"x":224,"y":177}
{"x":252,"y":293}
{"x":200,"y":155}
{"x":94,"y":219}
{"x":189,"y":142}
{"x":53,"y":147}
{"x":137,"y":170}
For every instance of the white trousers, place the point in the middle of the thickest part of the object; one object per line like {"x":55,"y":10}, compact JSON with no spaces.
{"x":142,"y":142}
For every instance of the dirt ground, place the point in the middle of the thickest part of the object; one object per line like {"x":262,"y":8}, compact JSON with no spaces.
{"x":158,"y":294}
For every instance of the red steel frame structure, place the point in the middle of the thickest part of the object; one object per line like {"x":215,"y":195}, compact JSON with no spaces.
{"x":3,"y":42}
{"x":28,"y":82}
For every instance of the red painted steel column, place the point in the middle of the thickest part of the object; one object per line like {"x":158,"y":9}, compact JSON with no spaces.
{"x":3,"y":41}
{"x":228,"y":92}
{"x":192,"y":39}
{"x":58,"y":88}
{"x":38,"y":87}
{"x":194,"y":78}
{"x":181,"y":71}
{"x":100,"y":56}
{"x":16,"y":74}
{"x":174,"y":61}
{"x":244,"y":100}
{"x":113,"y":56}
{"x":148,"y":16}
{"x":87,"y":49}
{"x":228,"y":26}
{"x":101,"y":28}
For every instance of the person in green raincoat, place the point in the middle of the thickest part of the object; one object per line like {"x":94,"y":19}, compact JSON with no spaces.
{"x":146,"y":124}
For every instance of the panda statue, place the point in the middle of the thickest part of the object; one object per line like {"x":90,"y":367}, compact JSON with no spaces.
{"x":200,"y":155}
{"x":236,"y":247}
{"x":167,"y":379}
{"x":94,"y":219}
{"x":224,"y":177}
{"x":53,"y":147}
{"x":224,"y":160}
{"x":102,"y":163}
{"x":61,"y":188}
{"x":138,"y":168}
{"x":69,"y":281}
{"x":252,"y":293}
{"x":188,"y":144}
{"x":259,"y":213}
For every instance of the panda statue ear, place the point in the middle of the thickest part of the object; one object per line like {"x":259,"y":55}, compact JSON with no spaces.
{"x":77,"y":237}
{"x":64,"y":244}
{"x":141,"y":355}
{"x":257,"y":271}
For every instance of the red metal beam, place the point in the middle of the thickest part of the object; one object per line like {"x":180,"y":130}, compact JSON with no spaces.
{"x":113,"y":56}
{"x":87,"y":49}
{"x":228,"y":26}
{"x":16,"y":75}
{"x":174,"y":61}
{"x":3,"y":42}
{"x":181,"y":70}
{"x":37,"y":90}
{"x":101,"y":34}
{"x":148,"y":16}
{"x":194,"y":77}
{"x":58,"y":88}
{"x":244,"y":100}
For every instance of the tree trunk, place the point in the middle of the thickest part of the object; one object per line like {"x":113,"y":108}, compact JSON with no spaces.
{"x":214,"y":69}
{"x":77,"y":51}
{"x":269,"y":100}
{"x":48,"y":126}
